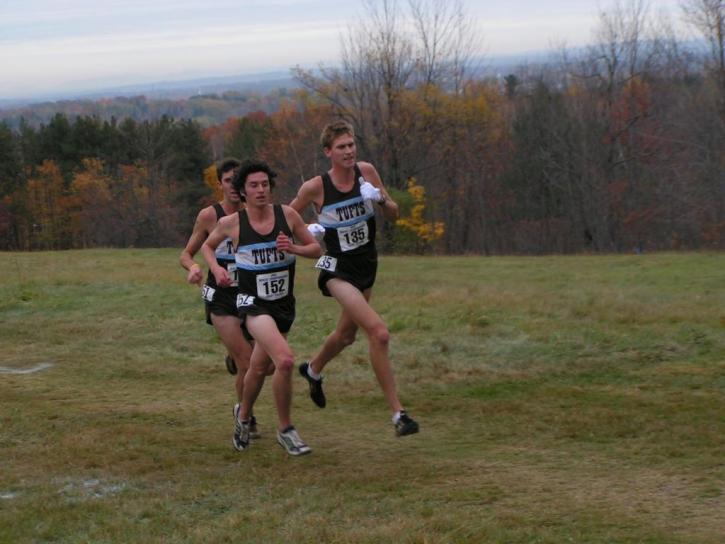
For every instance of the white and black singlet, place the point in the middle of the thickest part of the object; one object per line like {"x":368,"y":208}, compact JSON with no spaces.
{"x":221,"y":300}
{"x":266,"y":275}
{"x":349,"y":222}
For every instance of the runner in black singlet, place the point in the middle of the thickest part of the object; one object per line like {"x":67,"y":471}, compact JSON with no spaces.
{"x":267,"y":239}
{"x":343,"y":199}
{"x":220,"y":302}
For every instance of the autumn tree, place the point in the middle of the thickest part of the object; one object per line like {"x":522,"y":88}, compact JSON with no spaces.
{"x":381,"y":59}
{"x":707,"y":17}
{"x":89,"y":204}
{"x":47,"y":209}
{"x":11,"y":185}
{"x":293,"y":143}
{"x":423,"y":231}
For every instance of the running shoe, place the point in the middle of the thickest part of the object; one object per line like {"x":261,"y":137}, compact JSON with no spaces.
{"x":231,"y":365}
{"x":405,"y":425}
{"x":291,"y":442}
{"x":240,"y":439}
{"x":316,"y":393}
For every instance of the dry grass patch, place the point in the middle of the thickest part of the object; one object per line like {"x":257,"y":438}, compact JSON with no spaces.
{"x":561,"y":399}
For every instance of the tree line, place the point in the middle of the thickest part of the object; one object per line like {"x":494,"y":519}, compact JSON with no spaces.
{"x":616,"y":147}
{"x":207,"y":109}
{"x":87,"y":182}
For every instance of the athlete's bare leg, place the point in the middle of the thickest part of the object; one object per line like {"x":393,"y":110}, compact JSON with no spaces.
{"x":230,"y":333}
{"x":269,"y":343}
{"x":358,"y":313}
{"x":343,"y":336}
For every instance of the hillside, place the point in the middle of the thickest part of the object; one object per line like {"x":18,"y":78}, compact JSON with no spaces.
{"x":209,"y":101}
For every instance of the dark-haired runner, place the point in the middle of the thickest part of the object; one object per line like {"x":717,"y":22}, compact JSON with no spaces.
{"x":220,"y":302}
{"x":267,"y":238}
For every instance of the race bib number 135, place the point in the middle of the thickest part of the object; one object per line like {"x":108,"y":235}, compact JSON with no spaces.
{"x":326,"y":263}
{"x":353,"y":236}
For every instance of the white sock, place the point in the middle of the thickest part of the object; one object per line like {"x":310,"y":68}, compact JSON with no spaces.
{"x":396,"y":416}
{"x":312,"y":374}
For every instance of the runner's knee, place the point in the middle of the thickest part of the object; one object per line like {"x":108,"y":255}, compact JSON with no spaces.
{"x":380,"y":335}
{"x":241,"y":359}
{"x":285,"y":363}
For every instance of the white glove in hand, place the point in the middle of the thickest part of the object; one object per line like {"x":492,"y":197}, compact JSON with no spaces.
{"x":316,"y":230}
{"x":370,"y":192}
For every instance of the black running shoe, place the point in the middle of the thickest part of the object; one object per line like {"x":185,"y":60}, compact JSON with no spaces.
{"x":231,"y":365}
{"x":240,"y":439}
{"x":405,"y":425}
{"x":316,"y":393}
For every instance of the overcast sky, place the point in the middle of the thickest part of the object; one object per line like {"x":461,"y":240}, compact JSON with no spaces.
{"x":52,"y":46}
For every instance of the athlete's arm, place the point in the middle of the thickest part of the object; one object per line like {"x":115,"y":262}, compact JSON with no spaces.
{"x":198,"y":235}
{"x":388,"y":206}
{"x":310,"y":193}
{"x":307,"y":246}
{"x":219,"y":234}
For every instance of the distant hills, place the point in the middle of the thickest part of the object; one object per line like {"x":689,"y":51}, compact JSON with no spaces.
{"x":171,"y":90}
{"x":209,"y":100}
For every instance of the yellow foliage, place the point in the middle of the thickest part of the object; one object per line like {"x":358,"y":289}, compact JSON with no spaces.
{"x":89,"y":196}
{"x":90,"y":186}
{"x":426,"y":232}
{"x":134,"y":178}
{"x":575,"y":90}
{"x":212,"y":181}
{"x":48,"y":206}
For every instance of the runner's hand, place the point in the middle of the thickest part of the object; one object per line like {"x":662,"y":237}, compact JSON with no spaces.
{"x":369,"y":192}
{"x":283,"y":242}
{"x":222,"y":277}
{"x":316,"y":230}
{"x":195,"y":275}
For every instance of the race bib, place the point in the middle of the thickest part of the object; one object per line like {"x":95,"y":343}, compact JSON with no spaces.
{"x":232,"y":271}
{"x":244,"y":300}
{"x":207,"y":293}
{"x":353,"y":236}
{"x":273,"y":286}
{"x":326,"y":263}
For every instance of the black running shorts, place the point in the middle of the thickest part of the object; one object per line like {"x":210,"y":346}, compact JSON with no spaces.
{"x":282,"y":311}
{"x":358,"y":270}
{"x":223,"y":301}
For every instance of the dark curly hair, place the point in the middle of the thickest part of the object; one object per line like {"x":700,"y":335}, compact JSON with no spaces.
{"x":251,"y":166}
{"x":224,"y":165}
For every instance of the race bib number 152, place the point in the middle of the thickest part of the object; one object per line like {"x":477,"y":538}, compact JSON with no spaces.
{"x":273,"y":286}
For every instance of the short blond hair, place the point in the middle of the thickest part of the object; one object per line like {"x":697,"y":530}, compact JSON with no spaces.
{"x":334,"y":130}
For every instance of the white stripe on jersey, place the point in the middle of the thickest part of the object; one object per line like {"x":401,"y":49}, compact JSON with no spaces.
{"x":225,"y":250}
{"x":262,"y":256}
{"x":347,"y":212}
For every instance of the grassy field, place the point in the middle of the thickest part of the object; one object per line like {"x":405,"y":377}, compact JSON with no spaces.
{"x":561,"y":399}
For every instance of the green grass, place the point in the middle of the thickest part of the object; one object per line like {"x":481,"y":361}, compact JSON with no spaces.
{"x":561,"y":399}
